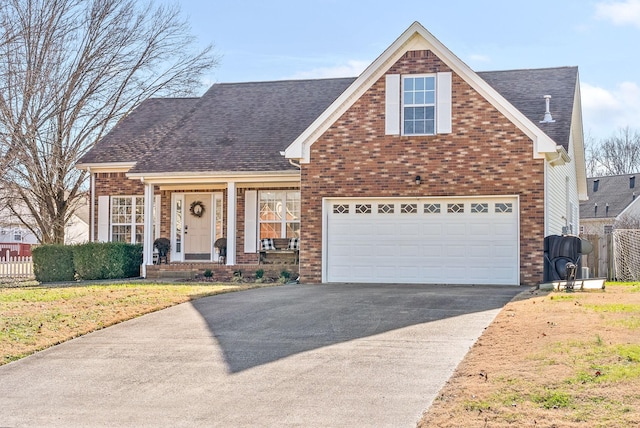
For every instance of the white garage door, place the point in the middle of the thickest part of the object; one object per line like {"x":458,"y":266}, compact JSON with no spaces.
{"x":422,"y":240}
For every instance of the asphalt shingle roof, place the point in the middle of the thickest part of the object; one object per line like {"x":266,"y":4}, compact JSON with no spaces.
{"x":140,"y":131}
{"x":525,"y":90}
{"x":615,"y":190}
{"x":237,"y":127}
{"x":243,"y":126}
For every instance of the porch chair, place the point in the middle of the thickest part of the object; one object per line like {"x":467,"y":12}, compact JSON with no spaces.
{"x":221,"y":246}
{"x":162,"y":245}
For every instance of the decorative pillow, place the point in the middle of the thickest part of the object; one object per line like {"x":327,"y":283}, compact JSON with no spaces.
{"x":294,"y":244}
{"x":267,"y":244}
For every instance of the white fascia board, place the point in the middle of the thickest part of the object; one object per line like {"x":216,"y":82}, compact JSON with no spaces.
{"x":221,"y":177}
{"x":414,"y":38}
{"x":576,"y":137}
{"x":106,"y":166}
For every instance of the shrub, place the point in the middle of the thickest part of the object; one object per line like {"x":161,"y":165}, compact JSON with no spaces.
{"x":53,"y":263}
{"x":107,"y":260}
{"x":259,"y":273}
{"x":93,"y":260}
{"x":208,"y":273}
{"x":284,"y":276}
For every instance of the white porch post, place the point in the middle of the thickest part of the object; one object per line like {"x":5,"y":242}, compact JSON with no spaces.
{"x":231,"y":223}
{"x":147,"y":249}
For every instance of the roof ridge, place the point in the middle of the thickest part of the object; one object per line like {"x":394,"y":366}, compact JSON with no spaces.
{"x":322,"y":79}
{"x":529,"y":69}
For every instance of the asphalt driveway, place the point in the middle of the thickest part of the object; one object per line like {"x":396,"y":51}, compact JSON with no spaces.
{"x":321,"y":356}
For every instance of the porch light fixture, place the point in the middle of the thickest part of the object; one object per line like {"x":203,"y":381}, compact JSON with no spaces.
{"x":418,"y":180}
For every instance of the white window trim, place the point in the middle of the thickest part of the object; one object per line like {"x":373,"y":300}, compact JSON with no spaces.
{"x":434,"y":104}
{"x":133,"y":223}
{"x":283,"y":221}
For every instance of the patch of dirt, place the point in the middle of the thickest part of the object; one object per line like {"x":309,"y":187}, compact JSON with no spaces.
{"x":550,"y":359}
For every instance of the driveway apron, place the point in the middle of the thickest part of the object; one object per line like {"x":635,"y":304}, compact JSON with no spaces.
{"x":295,"y":355}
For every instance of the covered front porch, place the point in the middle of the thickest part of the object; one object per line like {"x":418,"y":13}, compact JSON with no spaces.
{"x":196,"y":213}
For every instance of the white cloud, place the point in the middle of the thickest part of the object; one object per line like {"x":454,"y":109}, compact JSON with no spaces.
{"x":620,"y":13}
{"x":350,"y":69}
{"x":605,"y":111}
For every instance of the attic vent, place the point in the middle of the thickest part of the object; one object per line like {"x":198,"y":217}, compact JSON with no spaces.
{"x":632,"y":182}
{"x":596,"y":183}
{"x":547,"y":113}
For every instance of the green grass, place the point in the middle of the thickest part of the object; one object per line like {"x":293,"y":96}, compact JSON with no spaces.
{"x":552,"y":399}
{"x":614,"y":308}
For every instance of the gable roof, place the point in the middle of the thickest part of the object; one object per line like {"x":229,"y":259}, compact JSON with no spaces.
{"x":416,"y":37}
{"x":244,"y":127}
{"x":613,"y":190}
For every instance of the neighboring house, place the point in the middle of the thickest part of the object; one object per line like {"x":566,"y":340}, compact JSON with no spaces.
{"x":77,"y":229}
{"x":611,"y":199}
{"x":420,"y":170}
{"x":13,"y":231}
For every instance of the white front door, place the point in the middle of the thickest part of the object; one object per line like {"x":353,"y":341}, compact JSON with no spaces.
{"x":196,"y":223}
{"x":198,"y":242}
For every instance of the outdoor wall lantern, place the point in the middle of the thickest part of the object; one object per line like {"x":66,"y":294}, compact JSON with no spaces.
{"x":418,"y":180}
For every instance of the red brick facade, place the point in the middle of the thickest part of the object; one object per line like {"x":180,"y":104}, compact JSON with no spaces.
{"x":484,"y":155}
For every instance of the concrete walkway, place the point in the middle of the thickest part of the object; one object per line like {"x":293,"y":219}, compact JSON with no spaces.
{"x":321,"y":356}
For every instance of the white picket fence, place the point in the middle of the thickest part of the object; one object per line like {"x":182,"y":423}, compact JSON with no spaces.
{"x":16,"y":267}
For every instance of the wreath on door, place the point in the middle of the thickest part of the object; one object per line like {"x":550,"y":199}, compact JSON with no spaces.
{"x":197,"y":209}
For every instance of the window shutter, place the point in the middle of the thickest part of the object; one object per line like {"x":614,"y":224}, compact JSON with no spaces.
{"x":392,"y":105}
{"x":443,"y":107}
{"x":250,"y":221}
{"x":103,"y":218}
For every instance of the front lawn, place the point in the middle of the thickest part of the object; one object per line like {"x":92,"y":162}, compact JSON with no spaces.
{"x":36,"y":317}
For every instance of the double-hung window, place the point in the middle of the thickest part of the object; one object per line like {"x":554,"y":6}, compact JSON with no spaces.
{"x":279,"y":214}
{"x":127,"y":219}
{"x":419,"y":104}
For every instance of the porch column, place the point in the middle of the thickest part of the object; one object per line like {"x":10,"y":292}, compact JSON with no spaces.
{"x":147,"y":249}
{"x":231,"y":223}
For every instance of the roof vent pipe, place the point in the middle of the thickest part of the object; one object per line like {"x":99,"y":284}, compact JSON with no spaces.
{"x":547,"y":113}
{"x":606,"y":210}
{"x":596,"y":183}
{"x":632,"y":182}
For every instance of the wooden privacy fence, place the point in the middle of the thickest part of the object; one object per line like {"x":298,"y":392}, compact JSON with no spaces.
{"x":600,"y":261}
{"x":19,"y":267}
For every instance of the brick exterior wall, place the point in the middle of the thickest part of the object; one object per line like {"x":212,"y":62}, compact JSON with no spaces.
{"x":113,"y":184}
{"x":484,"y":155}
{"x":117,"y":184}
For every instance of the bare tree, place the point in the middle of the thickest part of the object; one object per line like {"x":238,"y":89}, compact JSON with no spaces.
{"x":618,"y":154}
{"x":69,"y":71}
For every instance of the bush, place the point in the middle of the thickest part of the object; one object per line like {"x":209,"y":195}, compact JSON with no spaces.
{"x":208,"y":273}
{"x":53,"y":263}
{"x":93,"y":260}
{"x":107,"y":260}
{"x":259,"y":273}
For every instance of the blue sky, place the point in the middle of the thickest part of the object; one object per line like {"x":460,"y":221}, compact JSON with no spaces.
{"x":286,"y":39}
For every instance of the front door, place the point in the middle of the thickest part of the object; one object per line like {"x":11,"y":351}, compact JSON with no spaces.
{"x":197,"y":226}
